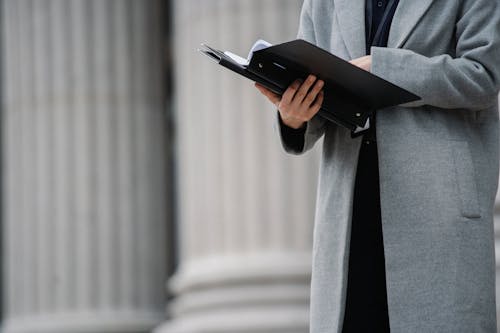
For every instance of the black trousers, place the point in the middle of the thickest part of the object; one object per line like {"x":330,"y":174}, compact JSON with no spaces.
{"x":366,"y":304}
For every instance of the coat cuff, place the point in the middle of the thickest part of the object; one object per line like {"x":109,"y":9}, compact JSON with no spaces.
{"x":292,"y":139}
{"x":390,"y":65}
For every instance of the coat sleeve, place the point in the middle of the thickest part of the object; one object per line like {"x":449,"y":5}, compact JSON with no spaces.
{"x":316,"y":126}
{"x":469,"y":80}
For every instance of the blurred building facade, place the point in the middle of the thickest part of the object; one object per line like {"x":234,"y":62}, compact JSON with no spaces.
{"x":130,"y":206}
{"x":84,"y":142}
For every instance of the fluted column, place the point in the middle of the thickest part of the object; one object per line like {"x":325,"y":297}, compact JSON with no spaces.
{"x":84,"y":151}
{"x":246,"y":208}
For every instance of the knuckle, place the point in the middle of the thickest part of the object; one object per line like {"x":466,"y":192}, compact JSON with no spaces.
{"x":286,"y":96}
{"x":308,"y":100}
{"x":290,"y":93}
{"x":310,"y":97}
{"x":306,"y":86}
{"x":300,"y":94}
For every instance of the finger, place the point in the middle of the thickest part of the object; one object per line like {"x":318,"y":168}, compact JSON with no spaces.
{"x":259,"y":86}
{"x":290,"y":92}
{"x":274,"y":98}
{"x":363,"y":65}
{"x":304,"y":88}
{"x":367,"y":64}
{"x":354,"y":61}
{"x":311,"y":96}
{"x":317,"y":105}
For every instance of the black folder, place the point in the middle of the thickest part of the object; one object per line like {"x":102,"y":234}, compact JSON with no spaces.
{"x":351,"y":94}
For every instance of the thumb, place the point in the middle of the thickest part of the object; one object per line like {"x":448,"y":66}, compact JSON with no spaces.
{"x":274,"y":98}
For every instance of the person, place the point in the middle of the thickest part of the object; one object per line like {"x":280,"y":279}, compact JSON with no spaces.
{"x":403,"y":232}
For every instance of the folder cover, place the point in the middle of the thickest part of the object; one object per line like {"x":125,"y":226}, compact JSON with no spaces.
{"x":351,"y":94}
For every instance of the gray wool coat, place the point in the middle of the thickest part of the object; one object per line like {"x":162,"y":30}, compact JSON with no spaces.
{"x":438,"y":160}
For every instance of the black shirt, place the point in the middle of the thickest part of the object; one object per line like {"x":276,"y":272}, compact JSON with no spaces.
{"x":366,"y":308}
{"x":377,"y":9}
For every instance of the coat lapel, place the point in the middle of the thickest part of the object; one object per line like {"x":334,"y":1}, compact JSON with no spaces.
{"x":351,"y":18}
{"x":406,"y":17}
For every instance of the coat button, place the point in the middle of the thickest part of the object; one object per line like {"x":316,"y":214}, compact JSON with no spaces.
{"x":379,"y":3}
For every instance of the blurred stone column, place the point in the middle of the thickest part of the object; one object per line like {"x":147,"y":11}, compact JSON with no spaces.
{"x":246,"y":208}
{"x":84,"y":151}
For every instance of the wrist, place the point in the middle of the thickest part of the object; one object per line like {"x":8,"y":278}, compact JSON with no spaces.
{"x":293,"y":123}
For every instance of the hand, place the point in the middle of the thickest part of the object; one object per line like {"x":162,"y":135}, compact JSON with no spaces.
{"x":299,"y":103}
{"x":363,"y":62}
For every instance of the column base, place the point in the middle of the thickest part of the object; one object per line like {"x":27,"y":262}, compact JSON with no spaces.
{"x":91,"y":322}
{"x":241,"y":293}
{"x":259,"y":320}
